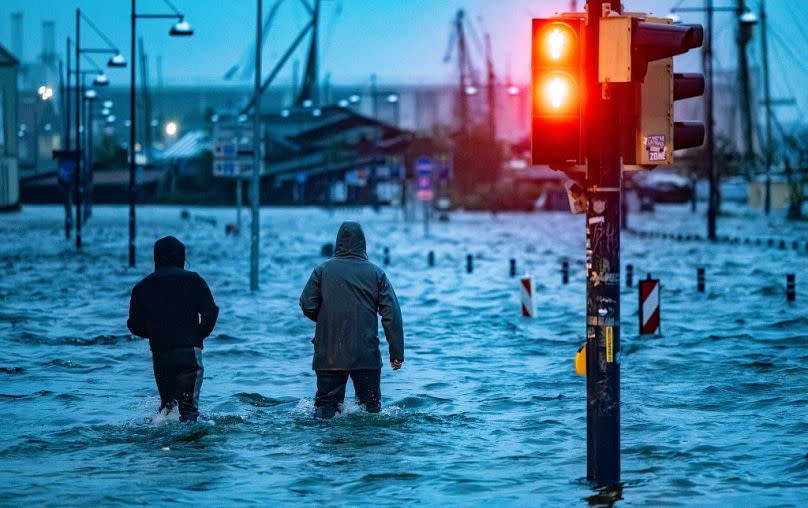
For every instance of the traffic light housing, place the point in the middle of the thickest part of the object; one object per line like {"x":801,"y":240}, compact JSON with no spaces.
{"x":638,"y":50}
{"x":557,"y":91}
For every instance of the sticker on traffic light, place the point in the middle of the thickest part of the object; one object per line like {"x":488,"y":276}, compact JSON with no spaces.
{"x":556,"y":91}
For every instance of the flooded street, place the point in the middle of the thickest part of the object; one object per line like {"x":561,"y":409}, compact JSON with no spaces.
{"x":486,"y":408}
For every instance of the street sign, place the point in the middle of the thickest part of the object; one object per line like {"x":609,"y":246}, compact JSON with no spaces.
{"x":423,"y":173}
{"x":233,"y":151}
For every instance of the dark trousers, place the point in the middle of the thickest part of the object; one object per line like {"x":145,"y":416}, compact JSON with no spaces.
{"x":331,"y":390}
{"x":178,"y":373}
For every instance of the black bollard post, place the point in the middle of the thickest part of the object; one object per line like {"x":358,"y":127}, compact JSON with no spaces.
{"x":469,"y":263}
{"x":629,"y":275}
{"x":430,"y":258}
{"x":700,"y":280}
{"x":386,"y":256}
{"x":513,"y":267}
{"x":565,"y":272}
{"x":782,"y":244}
{"x":791,"y":287}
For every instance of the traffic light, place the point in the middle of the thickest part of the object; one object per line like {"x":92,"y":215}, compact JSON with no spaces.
{"x":557,"y":90}
{"x":639,"y":49}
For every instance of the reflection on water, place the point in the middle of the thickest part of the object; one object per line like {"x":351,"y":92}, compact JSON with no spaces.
{"x":486,"y":409}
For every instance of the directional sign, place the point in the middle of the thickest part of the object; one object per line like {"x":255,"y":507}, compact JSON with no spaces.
{"x":233,"y":151}
{"x":423,"y":172}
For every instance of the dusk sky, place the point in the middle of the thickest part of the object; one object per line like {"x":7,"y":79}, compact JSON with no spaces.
{"x":402,"y":41}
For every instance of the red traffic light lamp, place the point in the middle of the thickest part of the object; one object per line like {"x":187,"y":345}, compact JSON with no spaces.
{"x":557,"y":90}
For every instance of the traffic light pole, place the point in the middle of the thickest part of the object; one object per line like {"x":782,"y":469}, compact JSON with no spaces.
{"x":707,"y":54}
{"x":604,"y":180}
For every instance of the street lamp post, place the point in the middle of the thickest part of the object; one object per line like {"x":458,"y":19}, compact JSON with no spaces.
{"x":180,"y":29}
{"x":101,"y":80}
{"x":255,"y":191}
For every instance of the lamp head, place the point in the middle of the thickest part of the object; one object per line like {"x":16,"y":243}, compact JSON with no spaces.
{"x":181,"y":29}
{"x":117,"y":60}
{"x":101,"y":80}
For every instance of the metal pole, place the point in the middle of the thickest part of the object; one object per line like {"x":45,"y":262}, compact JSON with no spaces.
{"x":77,"y":179}
{"x":372,"y":174}
{"x":746,"y":96}
{"x":604,"y":174}
{"x":66,"y":145}
{"x":239,"y":203}
{"x":426,"y":218}
{"x":256,"y":176}
{"x":132,"y":115}
{"x":765,"y":49}
{"x":712,"y":209}
{"x":89,"y":147}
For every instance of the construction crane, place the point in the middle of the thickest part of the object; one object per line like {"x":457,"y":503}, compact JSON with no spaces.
{"x":468,"y":82}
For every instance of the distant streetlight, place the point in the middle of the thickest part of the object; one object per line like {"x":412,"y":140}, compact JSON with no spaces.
{"x":111,"y":119}
{"x":471,"y":90}
{"x":90,"y":95}
{"x":45,"y":92}
{"x":214,"y":118}
{"x":105,"y":111}
{"x":101,"y":79}
{"x":285,"y":113}
{"x":116,"y":60}
{"x":308,"y":103}
{"x":343,"y":103}
{"x":513,"y":90}
{"x":171,"y":129}
{"x":316,"y":112}
{"x":353,"y":99}
{"x":392,"y":98}
{"x":107,"y":104}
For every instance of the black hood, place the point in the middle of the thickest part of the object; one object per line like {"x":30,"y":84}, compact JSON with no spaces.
{"x":351,"y":241}
{"x":169,"y":252}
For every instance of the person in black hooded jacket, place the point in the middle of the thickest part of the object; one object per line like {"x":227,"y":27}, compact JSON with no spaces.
{"x":344,"y":296}
{"x":174,"y":309}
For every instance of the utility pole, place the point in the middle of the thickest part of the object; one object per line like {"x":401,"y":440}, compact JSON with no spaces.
{"x":713,"y":173}
{"x":746,"y":96}
{"x":603,"y":182}
{"x":255,"y":189}
{"x":768,"y":98}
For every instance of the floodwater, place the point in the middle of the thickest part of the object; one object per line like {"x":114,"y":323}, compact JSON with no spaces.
{"x":487,"y":408}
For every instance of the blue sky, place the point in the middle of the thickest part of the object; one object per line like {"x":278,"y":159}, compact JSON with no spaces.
{"x":402,"y":41}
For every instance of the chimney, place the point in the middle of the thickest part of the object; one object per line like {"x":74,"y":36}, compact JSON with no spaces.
{"x":16,"y":35}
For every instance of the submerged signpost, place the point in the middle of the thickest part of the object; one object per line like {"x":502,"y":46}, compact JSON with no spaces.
{"x":598,"y":104}
{"x":423,"y":172}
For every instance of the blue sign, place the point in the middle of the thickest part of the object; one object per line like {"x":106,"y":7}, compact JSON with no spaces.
{"x":423,"y":166}
{"x":423,"y":173}
{"x":66,"y":168}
